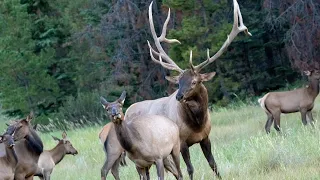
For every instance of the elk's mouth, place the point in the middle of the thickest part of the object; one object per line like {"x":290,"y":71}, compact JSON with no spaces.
{"x":118,"y":116}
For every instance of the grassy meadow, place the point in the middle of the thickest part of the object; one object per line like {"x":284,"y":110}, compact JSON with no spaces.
{"x":240,"y":145}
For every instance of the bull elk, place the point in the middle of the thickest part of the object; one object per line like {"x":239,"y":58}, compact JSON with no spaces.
{"x":9,"y":161}
{"x":147,"y":139}
{"x":28,"y":149}
{"x":188,"y":106}
{"x":275,"y":103}
{"x":50,"y":158}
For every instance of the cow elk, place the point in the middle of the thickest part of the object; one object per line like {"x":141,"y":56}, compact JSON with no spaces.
{"x":147,"y":139}
{"x":50,"y":158}
{"x":115,"y":154}
{"x":188,"y":106}
{"x":28,"y":147}
{"x":9,"y":161}
{"x":275,"y":103}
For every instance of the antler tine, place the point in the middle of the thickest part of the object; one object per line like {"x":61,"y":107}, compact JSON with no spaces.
{"x":236,"y":29}
{"x":190,"y":60}
{"x":162,"y":38}
{"x":165,"y":65}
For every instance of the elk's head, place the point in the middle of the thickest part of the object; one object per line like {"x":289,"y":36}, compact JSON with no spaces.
{"x":67,"y":145}
{"x":21,"y":127}
{"x":114,"y":109}
{"x":190,"y":80}
{"x":7,"y":139}
{"x":313,"y":74}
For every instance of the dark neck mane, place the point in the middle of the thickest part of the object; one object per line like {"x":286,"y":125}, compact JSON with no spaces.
{"x":11,"y":157}
{"x":34,"y":142}
{"x":124,"y":136}
{"x":194,"y":110}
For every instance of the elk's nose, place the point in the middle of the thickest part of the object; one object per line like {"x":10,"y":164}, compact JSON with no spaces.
{"x":114,"y":112}
{"x":179,"y":96}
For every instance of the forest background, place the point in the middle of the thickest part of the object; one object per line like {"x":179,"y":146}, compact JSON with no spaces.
{"x":57,"y":57}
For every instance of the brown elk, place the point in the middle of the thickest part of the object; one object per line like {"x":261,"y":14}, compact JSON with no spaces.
{"x":9,"y":161}
{"x":188,"y":106}
{"x":275,"y":103}
{"x":115,"y":154}
{"x":50,"y":158}
{"x":28,"y":149}
{"x":147,"y":139}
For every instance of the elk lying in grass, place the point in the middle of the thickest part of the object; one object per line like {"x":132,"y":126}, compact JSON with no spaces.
{"x":28,"y":149}
{"x":275,"y":103}
{"x":9,"y":161}
{"x":147,"y":139}
{"x":50,"y":158}
{"x":188,"y":106}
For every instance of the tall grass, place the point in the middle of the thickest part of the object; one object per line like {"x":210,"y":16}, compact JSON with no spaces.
{"x":239,"y":143}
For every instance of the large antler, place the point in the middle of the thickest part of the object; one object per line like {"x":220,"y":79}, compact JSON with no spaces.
{"x":169,"y":64}
{"x":236,"y":29}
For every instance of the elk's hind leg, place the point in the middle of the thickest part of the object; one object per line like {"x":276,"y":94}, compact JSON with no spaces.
{"x":269,"y":123}
{"x":206,"y":149}
{"x":276,"y":117}
{"x":176,"y":158}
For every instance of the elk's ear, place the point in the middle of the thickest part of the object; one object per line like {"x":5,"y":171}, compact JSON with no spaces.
{"x":64,"y":135}
{"x":173,"y":79}
{"x":207,"y":76}
{"x":104,"y":102}
{"x":122,"y":97}
{"x":30,"y":117}
{"x":55,"y":138}
{"x":308,"y":73}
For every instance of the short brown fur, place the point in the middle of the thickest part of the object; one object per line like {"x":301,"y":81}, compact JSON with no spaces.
{"x":299,"y":100}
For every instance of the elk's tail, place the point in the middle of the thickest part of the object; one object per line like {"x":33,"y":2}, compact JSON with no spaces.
{"x":262,"y":103}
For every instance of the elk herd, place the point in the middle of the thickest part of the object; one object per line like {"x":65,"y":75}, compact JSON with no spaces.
{"x":152,"y":131}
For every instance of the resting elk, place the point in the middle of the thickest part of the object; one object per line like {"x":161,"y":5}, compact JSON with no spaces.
{"x":9,"y":161}
{"x":147,"y":139}
{"x":188,"y":106}
{"x":50,"y":158}
{"x":275,"y":103}
{"x":28,"y":149}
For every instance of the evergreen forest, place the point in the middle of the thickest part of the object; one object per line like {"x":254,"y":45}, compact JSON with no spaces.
{"x":58,"y":57}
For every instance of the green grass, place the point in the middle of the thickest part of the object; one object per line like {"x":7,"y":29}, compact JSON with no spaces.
{"x":240,"y":146}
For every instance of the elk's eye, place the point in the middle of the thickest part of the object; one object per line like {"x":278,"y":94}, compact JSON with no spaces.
{"x":194,"y":82}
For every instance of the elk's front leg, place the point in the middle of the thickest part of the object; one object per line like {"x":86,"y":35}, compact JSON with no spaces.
{"x":310,"y":118}
{"x":304,"y":116}
{"x":206,"y":149}
{"x":186,"y":157}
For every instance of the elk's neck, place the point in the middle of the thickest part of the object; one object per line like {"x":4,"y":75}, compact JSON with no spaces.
{"x":11,"y":157}
{"x":313,"y":88}
{"x":123,"y":134}
{"x":34,"y":143}
{"x":194,"y":110}
{"x":57,"y":153}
